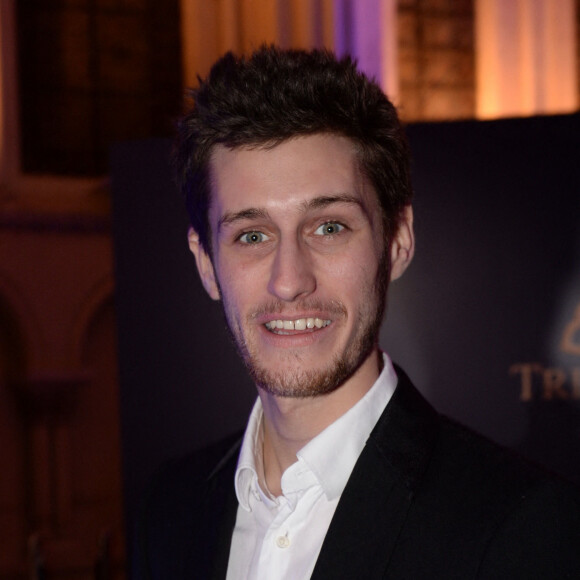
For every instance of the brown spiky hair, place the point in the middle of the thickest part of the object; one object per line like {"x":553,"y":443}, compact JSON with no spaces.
{"x":274,"y":95}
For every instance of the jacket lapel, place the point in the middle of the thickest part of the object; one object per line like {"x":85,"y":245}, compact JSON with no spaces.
{"x":225,"y":529}
{"x":208,"y":558}
{"x":380,"y":490}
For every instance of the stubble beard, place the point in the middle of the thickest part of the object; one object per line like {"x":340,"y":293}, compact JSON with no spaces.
{"x":304,"y":383}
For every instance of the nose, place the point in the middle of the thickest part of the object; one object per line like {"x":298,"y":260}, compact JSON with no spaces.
{"x":292,"y":274}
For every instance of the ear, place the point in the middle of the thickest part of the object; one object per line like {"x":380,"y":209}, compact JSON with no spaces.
{"x":403,"y":244}
{"x":204,"y":265}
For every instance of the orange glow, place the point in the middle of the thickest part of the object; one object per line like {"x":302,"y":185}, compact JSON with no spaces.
{"x":525,"y":57}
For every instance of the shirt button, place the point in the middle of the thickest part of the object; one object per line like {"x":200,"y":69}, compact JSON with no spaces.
{"x":282,"y":541}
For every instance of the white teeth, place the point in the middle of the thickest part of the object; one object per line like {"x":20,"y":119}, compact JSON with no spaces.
{"x":299,"y":324}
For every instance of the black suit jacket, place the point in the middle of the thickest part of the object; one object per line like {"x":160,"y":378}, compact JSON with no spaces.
{"x":427,"y":499}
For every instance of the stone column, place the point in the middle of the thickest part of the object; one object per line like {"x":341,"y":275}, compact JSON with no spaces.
{"x":9,"y":136}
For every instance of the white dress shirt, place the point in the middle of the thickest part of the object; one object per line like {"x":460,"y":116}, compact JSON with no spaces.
{"x":279,"y":538}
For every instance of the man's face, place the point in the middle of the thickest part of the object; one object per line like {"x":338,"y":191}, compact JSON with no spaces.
{"x":299,"y":262}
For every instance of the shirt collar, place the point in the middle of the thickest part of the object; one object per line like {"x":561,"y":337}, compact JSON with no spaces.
{"x":251,"y":458}
{"x":332,"y":454}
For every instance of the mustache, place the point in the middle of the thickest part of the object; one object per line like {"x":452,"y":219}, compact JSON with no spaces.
{"x":333,"y":307}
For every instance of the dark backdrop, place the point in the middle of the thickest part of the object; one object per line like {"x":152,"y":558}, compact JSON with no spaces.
{"x":486,"y":321}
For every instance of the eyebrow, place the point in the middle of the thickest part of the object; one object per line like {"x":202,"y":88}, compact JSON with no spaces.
{"x":231,"y":217}
{"x":326,"y":200}
{"x":259,"y":213}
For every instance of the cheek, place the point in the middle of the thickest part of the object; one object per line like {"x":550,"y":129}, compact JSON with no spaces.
{"x":350,"y":280}
{"x":239,"y":283}
{"x":357,"y":266}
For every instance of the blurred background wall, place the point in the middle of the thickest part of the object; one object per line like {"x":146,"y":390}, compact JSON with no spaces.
{"x":77,"y":76}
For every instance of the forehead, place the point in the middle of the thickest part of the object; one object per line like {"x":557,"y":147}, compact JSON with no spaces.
{"x":286,"y":175}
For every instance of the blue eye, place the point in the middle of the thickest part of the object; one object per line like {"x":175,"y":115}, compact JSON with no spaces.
{"x":253,"y":238}
{"x":329,"y":229}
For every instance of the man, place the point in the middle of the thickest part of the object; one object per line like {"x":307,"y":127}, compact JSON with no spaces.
{"x":296,"y":177}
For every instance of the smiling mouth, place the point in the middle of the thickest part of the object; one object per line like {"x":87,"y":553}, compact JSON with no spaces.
{"x":279,"y":326}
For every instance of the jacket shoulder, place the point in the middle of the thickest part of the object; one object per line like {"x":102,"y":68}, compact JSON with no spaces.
{"x":474,"y":508}
{"x":186,"y":503}
{"x":494,"y":513}
{"x":196,"y":468}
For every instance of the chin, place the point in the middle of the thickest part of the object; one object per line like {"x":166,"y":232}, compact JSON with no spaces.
{"x":305,"y":383}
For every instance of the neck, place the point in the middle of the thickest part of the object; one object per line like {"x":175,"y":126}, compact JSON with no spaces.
{"x":290,"y":423}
